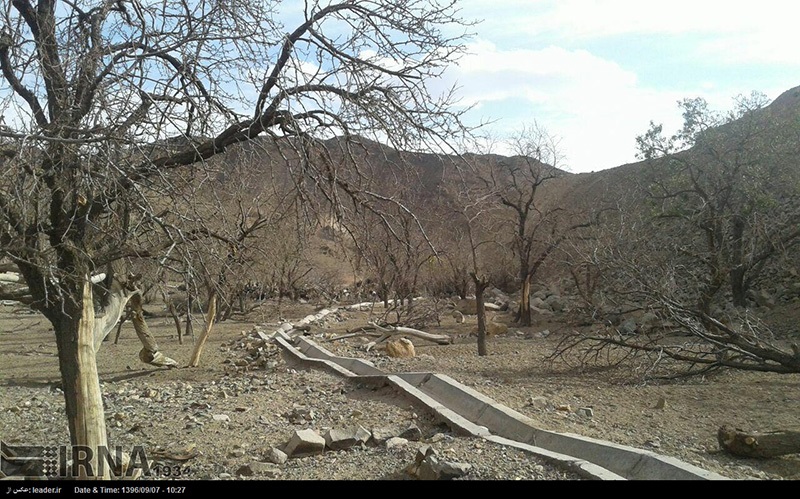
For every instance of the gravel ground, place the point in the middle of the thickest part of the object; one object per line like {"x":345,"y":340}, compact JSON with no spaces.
{"x":232,"y":411}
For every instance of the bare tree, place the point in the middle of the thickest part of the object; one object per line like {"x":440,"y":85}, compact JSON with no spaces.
{"x":727,"y":183}
{"x":95,"y":92}
{"x":474,"y":212}
{"x":535,"y":225}
{"x":719,"y":205}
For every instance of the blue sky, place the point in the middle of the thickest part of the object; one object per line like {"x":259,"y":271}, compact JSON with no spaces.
{"x":594,"y":73}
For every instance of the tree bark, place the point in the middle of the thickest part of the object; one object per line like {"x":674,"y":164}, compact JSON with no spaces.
{"x":760,"y":445}
{"x":524,"y":312}
{"x":738,"y":287}
{"x":738,"y":269}
{"x":201,"y":341}
{"x":480,"y":287}
{"x":150,"y":353}
{"x":81,"y":383}
{"x":435,"y":338}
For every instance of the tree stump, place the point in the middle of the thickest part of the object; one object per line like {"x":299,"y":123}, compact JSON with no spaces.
{"x":761,"y":445}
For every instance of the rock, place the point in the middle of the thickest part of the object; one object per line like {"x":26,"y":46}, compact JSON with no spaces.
{"x":340,"y":439}
{"x":258,"y":468}
{"x":586,"y":412}
{"x":662,"y":402}
{"x":422,"y":453}
{"x":540,"y":304}
{"x":299,"y":414}
{"x":495,"y":328}
{"x":654,"y":443}
{"x":458,"y":316}
{"x":432,"y":468}
{"x":401,"y":348}
{"x":396,"y":443}
{"x":381,"y":435}
{"x":305,"y":443}
{"x":556,"y":303}
{"x":439,"y":437}
{"x":412,"y":433}
{"x":224,"y":418}
{"x":540,"y":294}
{"x":276,"y":456}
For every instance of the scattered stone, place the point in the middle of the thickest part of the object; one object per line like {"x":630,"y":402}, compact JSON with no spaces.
{"x":258,"y":468}
{"x":458,"y":316}
{"x":586,"y":412}
{"x":556,"y":303}
{"x":541,"y":334}
{"x":305,"y":443}
{"x":654,"y":443}
{"x":432,"y":468}
{"x":222,"y":417}
{"x":340,"y":439}
{"x":564,"y":408}
{"x":438,"y":438}
{"x":412,"y":433}
{"x":540,"y":304}
{"x":276,"y":456}
{"x":299,"y":414}
{"x":541,"y":311}
{"x":422,"y":453}
{"x":662,"y":403}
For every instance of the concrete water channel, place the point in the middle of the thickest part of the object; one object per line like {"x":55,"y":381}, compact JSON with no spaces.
{"x":471,"y":413}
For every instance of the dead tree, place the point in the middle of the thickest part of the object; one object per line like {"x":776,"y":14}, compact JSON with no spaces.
{"x":113,"y":108}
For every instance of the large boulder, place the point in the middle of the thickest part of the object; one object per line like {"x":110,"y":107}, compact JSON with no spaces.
{"x":539,"y":304}
{"x":401,"y":348}
{"x":495,"y":328}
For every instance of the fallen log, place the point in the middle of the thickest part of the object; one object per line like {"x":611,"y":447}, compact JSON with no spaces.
{"x":761,"y":445}
{"x":440,"y":339}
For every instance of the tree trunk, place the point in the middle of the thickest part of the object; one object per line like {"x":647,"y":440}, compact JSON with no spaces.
{"x":189,"y":333}
{"x":709,"y":291}
{"x":201,"y":341}
{"x":524,"y":312}
{"x":480,"y":287}
{"x":761,"y":445}
{"x":173,"y":312}
{"x":84,"y":402}
{"x":738,"y":287}
{"x":737,"y":272}
{"x":142,"y":331}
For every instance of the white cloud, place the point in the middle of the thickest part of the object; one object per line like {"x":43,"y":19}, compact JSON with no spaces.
{"x":733,"y":31}
{"x":593,"y":104}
